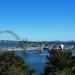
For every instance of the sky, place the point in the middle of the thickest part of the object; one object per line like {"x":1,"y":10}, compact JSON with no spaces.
{"x":39,"y":20}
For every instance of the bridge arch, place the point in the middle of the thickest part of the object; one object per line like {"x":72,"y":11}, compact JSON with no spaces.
{"x":14,"y":35}
{"x":11,"y":33}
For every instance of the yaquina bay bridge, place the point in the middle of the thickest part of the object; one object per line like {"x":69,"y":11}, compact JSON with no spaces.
{"x":9,"y":41}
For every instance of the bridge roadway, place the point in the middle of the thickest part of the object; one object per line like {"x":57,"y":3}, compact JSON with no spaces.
{"x":15,"y":49}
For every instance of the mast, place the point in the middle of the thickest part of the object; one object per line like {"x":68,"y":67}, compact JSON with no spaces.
{"x":26,"y":43}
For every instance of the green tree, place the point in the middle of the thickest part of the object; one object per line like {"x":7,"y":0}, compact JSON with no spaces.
{"x":60,"y":63}
{"x":10,"y":64}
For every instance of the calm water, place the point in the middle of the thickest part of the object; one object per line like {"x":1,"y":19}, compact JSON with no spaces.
{"x":34,"y":60}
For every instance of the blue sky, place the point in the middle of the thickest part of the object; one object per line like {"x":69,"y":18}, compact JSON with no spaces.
{"x":39,"y":19}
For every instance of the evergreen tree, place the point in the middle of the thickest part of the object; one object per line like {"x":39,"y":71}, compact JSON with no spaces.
{"x":10,"y":64}
{"x":60,"y":63}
